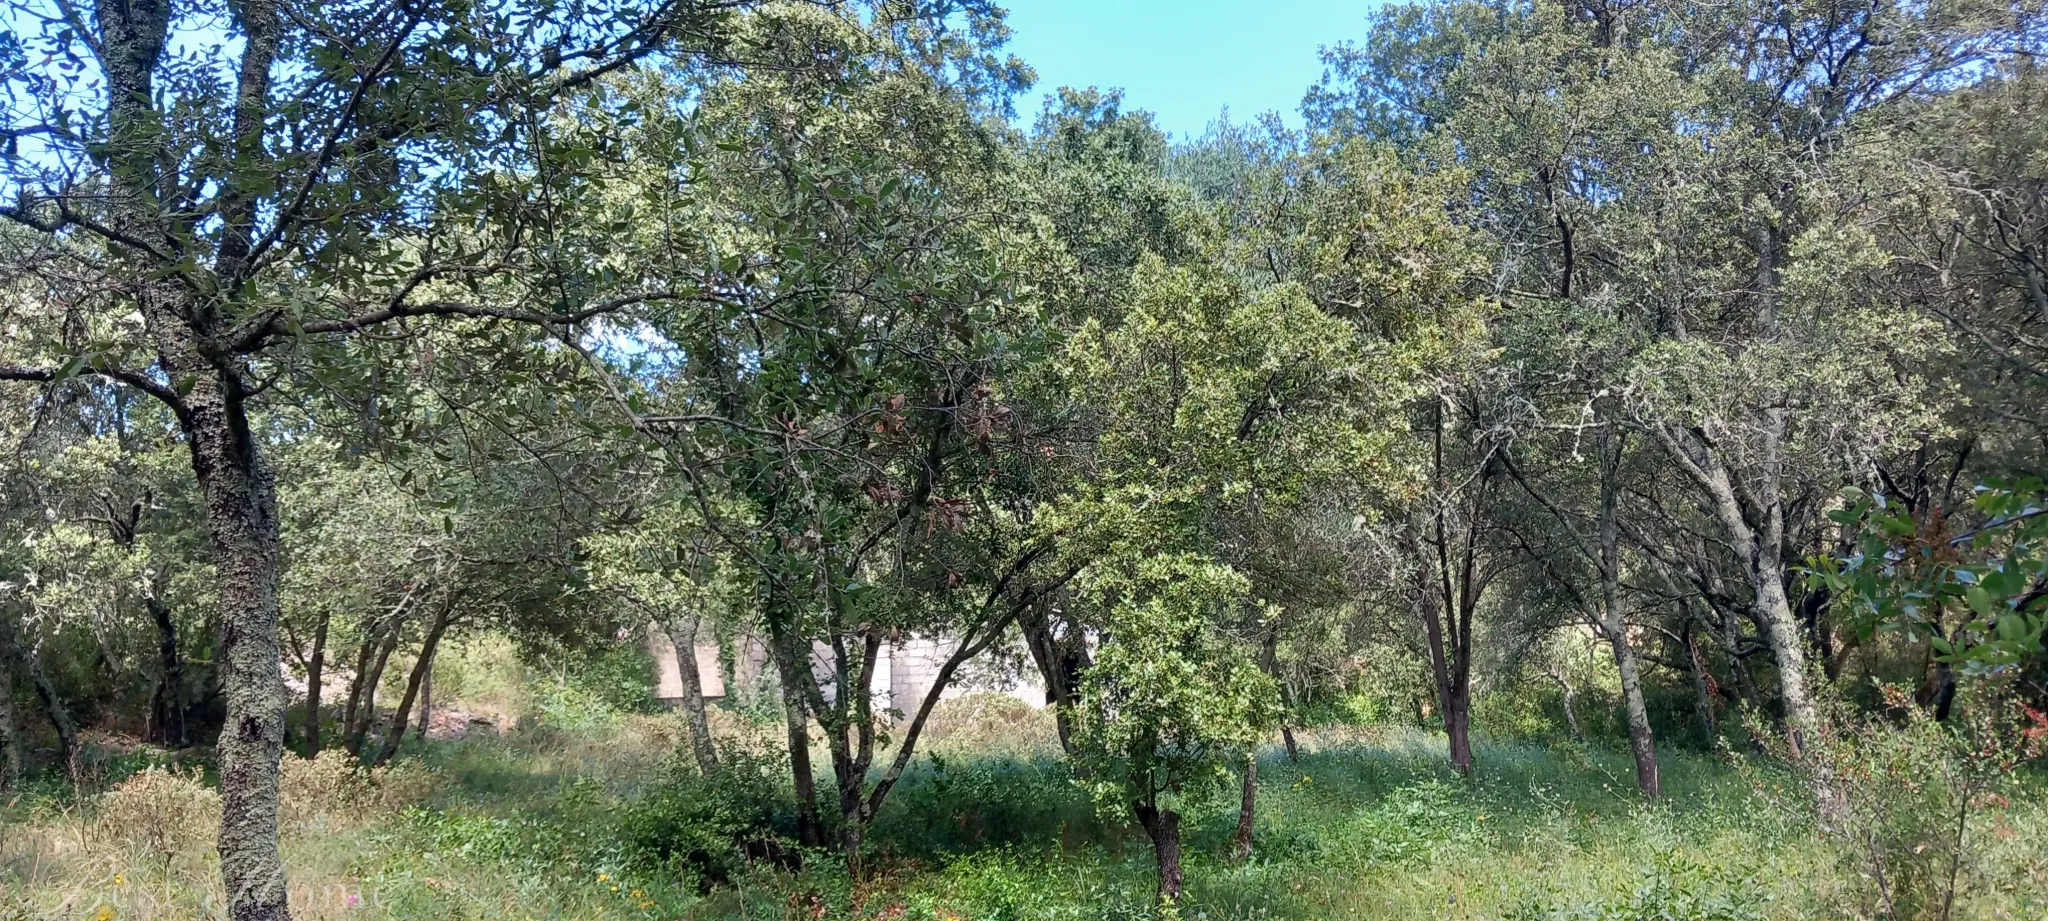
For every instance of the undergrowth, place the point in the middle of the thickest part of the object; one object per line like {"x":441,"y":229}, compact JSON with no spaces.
{"x":602,"y":821}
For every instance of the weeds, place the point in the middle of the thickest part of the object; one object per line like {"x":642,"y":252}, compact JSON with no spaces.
{"x":607,"y":824}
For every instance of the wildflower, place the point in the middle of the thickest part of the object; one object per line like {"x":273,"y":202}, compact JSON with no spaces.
{"x":603,"y":877}
{"x":639,"y":894}
{"x":120,"y":880}
{"x":106,"y":913}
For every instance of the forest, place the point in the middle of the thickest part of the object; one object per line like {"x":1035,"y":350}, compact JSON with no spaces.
{"x":1587,"y":465}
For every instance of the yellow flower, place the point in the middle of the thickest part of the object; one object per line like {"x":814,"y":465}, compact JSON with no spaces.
{"x":615,"y":888}
{"x":601,"y":877}
{"x":106,"y":913}
{"x":646,"y":904}
{"x":120,"y":880}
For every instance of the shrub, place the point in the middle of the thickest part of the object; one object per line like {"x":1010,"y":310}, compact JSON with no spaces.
{"x":336,"y":784}
{"x":161,"y":811}
{"x":708,"y":828}
{"x":1912,"y":798}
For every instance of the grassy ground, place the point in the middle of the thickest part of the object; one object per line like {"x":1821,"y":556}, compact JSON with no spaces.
{"x":537,"y":825}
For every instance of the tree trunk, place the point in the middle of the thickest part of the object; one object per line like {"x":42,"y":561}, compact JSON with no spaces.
{"x":315,"y":674}
{"x":1453,"y":695}
{"x":1458,"y":727}
{"x":366,"y":711}
{"x":1640,"y":741}
{"x":1163,"y":827}
{"x":1241,"y":843}
{"x":1759,"y":544}
{"x":1287,"y":739}
{"x":1571,"y":713}
{"x":796,"y":717}
{"x":169,"y":709}
{"x":241,"y":512}
{"x":10,"y":727}
{"x":1802,"y":722}
{"x":1059,"y":664}
{"x":682,"y":634}
{"x":421,"y":668}
{"x":1642,"y":744}
{"x":1702,"y":687}
{"x":426,"y":706}
{"x":365,"y":649}
{"x":14,"y":646}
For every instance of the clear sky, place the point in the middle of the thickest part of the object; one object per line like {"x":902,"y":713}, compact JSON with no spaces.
{"x":1183,"y":60}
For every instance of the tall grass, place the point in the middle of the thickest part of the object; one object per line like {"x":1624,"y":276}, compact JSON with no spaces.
{"x":536,"y":824}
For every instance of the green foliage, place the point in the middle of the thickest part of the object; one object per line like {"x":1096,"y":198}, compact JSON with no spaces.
{"x":707,"y":829}
{"x":1676,"y":887}
{"x":592,"y":690}
{"x":1919,"y":800}
{"x":1976,"y":597}
{"x":1169,"y":704}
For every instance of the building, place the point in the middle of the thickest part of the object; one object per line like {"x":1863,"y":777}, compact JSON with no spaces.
{"x":904,"y":671}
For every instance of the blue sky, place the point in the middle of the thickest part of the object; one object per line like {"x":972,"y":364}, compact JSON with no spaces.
{"x":1183,"y":60}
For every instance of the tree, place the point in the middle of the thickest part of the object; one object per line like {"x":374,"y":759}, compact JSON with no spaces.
{"x":209,"y":195}
{"x":1168,"y":707}
{"x":834,"y":393}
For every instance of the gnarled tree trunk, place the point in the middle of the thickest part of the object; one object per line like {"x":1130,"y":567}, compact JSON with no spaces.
{"x":797,"y":719}
{"x":1163,"y":827}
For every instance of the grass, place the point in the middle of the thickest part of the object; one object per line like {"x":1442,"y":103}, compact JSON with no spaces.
{"x":532,"y":825}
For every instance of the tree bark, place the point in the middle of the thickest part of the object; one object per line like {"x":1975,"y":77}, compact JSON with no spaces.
{"x":1642,"y":744}
{"x":1571,"y":713}
{"x":1760,"y":546}
{"x":682,"y":634}
{"x":1163,"y":827}
{"x":1702,"y":687}
{"x":422,"y":667}
{"x":1060,"y":664}
{"x":796,"y":716}
{"x":315,"y":675}
{"x":241,"y":511}
{"x":169,"y":709}
{"x":1458,"y":728}
{"x":1241,"y":842}
{"x":13,"y":645}
{"x":366,"y":711}
{"x":426,"y":705}
{"x":1287,"y":739}
{"x":10,"y":727}
{"x":1452,"y":692}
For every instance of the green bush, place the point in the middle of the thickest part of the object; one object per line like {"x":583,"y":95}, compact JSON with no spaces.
{"x":593,"y":689}
{"x":1913,"y":799}
{"x":708,"y":828}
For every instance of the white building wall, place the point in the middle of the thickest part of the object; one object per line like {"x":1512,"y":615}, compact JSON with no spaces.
{"x":904,"y":672}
